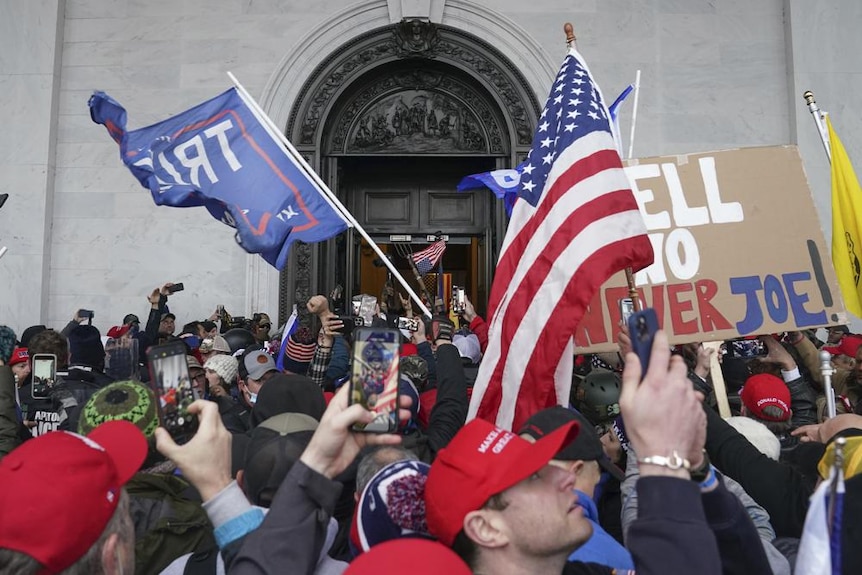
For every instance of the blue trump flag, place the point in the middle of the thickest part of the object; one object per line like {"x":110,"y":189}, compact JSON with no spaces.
{"x":503,"y":183}
{"x":218,"y":155}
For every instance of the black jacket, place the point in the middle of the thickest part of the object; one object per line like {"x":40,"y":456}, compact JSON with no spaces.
{"x":9,"y":439}
{"x":779,"y":488}
{"x":450,"y":410}
{"x":77,"y":385}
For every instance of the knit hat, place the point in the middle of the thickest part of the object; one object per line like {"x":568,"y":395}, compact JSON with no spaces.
{"x":758,"y":435}
{"x":127,"y":400}
{"x":424,"y":558}
{"x":299,"y":353}
{"x":392,"y":506}
{"x":7,"y":342}
{"x":225,"y":366}
{"x":19,"y":355}
{"x":70,"y":487}
{"x":85,"y":347}
{"x":765,"y":390}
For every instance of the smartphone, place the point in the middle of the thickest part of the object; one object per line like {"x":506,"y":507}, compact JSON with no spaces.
{"x":85,"y":313}
{"x":169,"y":378}
{"x":374,"y":381}
{"x":44,"y":375}
{"x":349,"y":323}
{"x":176,"y":287}
{"x":642,"y":327}
{"x":408,"y":323}
{"x":627,"y":308}
{"x":459,"y":299}
{"x":747,"y":348}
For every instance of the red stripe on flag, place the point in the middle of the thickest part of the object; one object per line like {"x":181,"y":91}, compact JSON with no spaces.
{"x":580,"y":170}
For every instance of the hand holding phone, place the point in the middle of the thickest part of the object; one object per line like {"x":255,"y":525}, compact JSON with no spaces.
{"x":175,"y":288}
{"x":44,"y":375}
{"x":374,"y":382}
{"x":642,"y":328}
{"x":172,"y":385}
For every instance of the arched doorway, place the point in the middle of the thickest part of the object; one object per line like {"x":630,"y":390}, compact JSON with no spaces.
{"x":392,"y":121}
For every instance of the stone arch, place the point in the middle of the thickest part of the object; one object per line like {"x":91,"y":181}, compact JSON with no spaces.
{"x":309,"y":85}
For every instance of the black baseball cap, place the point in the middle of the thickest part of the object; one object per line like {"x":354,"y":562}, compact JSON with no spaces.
{"x":586,"y":447}
{"x":131,"y":318}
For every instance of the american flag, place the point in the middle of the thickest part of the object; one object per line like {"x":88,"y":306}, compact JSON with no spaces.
{"x":577,"y":225}
{"x":426,"y":259}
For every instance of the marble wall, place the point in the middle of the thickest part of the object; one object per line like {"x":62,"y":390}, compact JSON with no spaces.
{"x":82,"y":233}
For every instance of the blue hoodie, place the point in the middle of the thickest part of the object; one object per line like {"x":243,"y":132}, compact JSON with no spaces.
{"x":600,"y":547}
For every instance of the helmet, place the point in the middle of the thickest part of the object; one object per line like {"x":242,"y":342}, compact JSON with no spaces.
{"x":239,"y":338}
{"x":601,"y":396}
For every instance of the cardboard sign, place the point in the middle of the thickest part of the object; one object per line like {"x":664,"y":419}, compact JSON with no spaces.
{"x":738,"y":250}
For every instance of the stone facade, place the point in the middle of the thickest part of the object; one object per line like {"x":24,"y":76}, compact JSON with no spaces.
{"x":81,"y":232}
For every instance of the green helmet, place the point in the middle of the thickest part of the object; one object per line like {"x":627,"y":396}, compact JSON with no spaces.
{"x":600,"y":401}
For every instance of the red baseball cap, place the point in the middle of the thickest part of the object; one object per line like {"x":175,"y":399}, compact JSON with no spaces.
{"x":849,"y":345}
{"x":418,"y":556}
{"x":119,"y":331}
{"x":482,"y":460}
{"x":50,"y":481}
{"x":19,"y":355}
{"x":764,"y":390}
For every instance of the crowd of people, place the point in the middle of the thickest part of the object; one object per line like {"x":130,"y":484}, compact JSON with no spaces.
{"x":638,"y":474}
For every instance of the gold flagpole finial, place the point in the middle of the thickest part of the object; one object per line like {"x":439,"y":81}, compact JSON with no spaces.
{"x":808,"y":96}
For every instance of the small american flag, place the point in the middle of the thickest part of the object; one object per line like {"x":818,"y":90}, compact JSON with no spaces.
{"x":426,"y":259}
{"x":574,"y":225}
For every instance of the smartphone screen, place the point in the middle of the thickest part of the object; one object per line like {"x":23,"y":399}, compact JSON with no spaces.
{"x":627,"y":308}
{"x":44,"y":374}
{"x":748,"y":348}
{"x":642,"y":327}
{"x":169,"y":378}
{"x":374,"y":382}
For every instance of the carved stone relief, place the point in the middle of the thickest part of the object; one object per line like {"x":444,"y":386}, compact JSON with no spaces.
{"x":412,"y":39}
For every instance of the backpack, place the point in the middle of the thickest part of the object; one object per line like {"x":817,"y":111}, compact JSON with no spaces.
{"x":169,"y":521}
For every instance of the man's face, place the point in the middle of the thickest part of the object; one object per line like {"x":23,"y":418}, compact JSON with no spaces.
{"x":167,"y":326}
{"x":249,"y":387}
{"x":21,"y":371}
{"x":199,"y":378}
{"x":834,"y":336}
{"x":542,"y":515}
{"x":858,"y":365}
{"x":261,"y":329}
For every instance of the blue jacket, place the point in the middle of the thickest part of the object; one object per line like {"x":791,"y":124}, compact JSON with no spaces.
{"x":600,"y":547}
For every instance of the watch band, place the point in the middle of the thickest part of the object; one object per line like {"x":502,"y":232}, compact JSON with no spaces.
{"x":675,"y":461}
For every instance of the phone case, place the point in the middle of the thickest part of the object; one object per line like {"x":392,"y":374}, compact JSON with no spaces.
{"x":44,"y":375}
{"x":374,"y":381}
{"x":171,"y":383}
{"x":642,"y":327}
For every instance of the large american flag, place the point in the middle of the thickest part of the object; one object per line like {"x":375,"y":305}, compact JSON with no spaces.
{"x":426,"y":259}
{"x":575,"y":224}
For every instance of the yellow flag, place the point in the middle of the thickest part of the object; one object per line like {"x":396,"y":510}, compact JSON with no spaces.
{"x":846,"y":224}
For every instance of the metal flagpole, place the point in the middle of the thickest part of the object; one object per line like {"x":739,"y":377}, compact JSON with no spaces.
{"x":634,"y":113}
{"x":817,"y":114}
{"x":825,"y":357}
{"x":333,"y":200}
